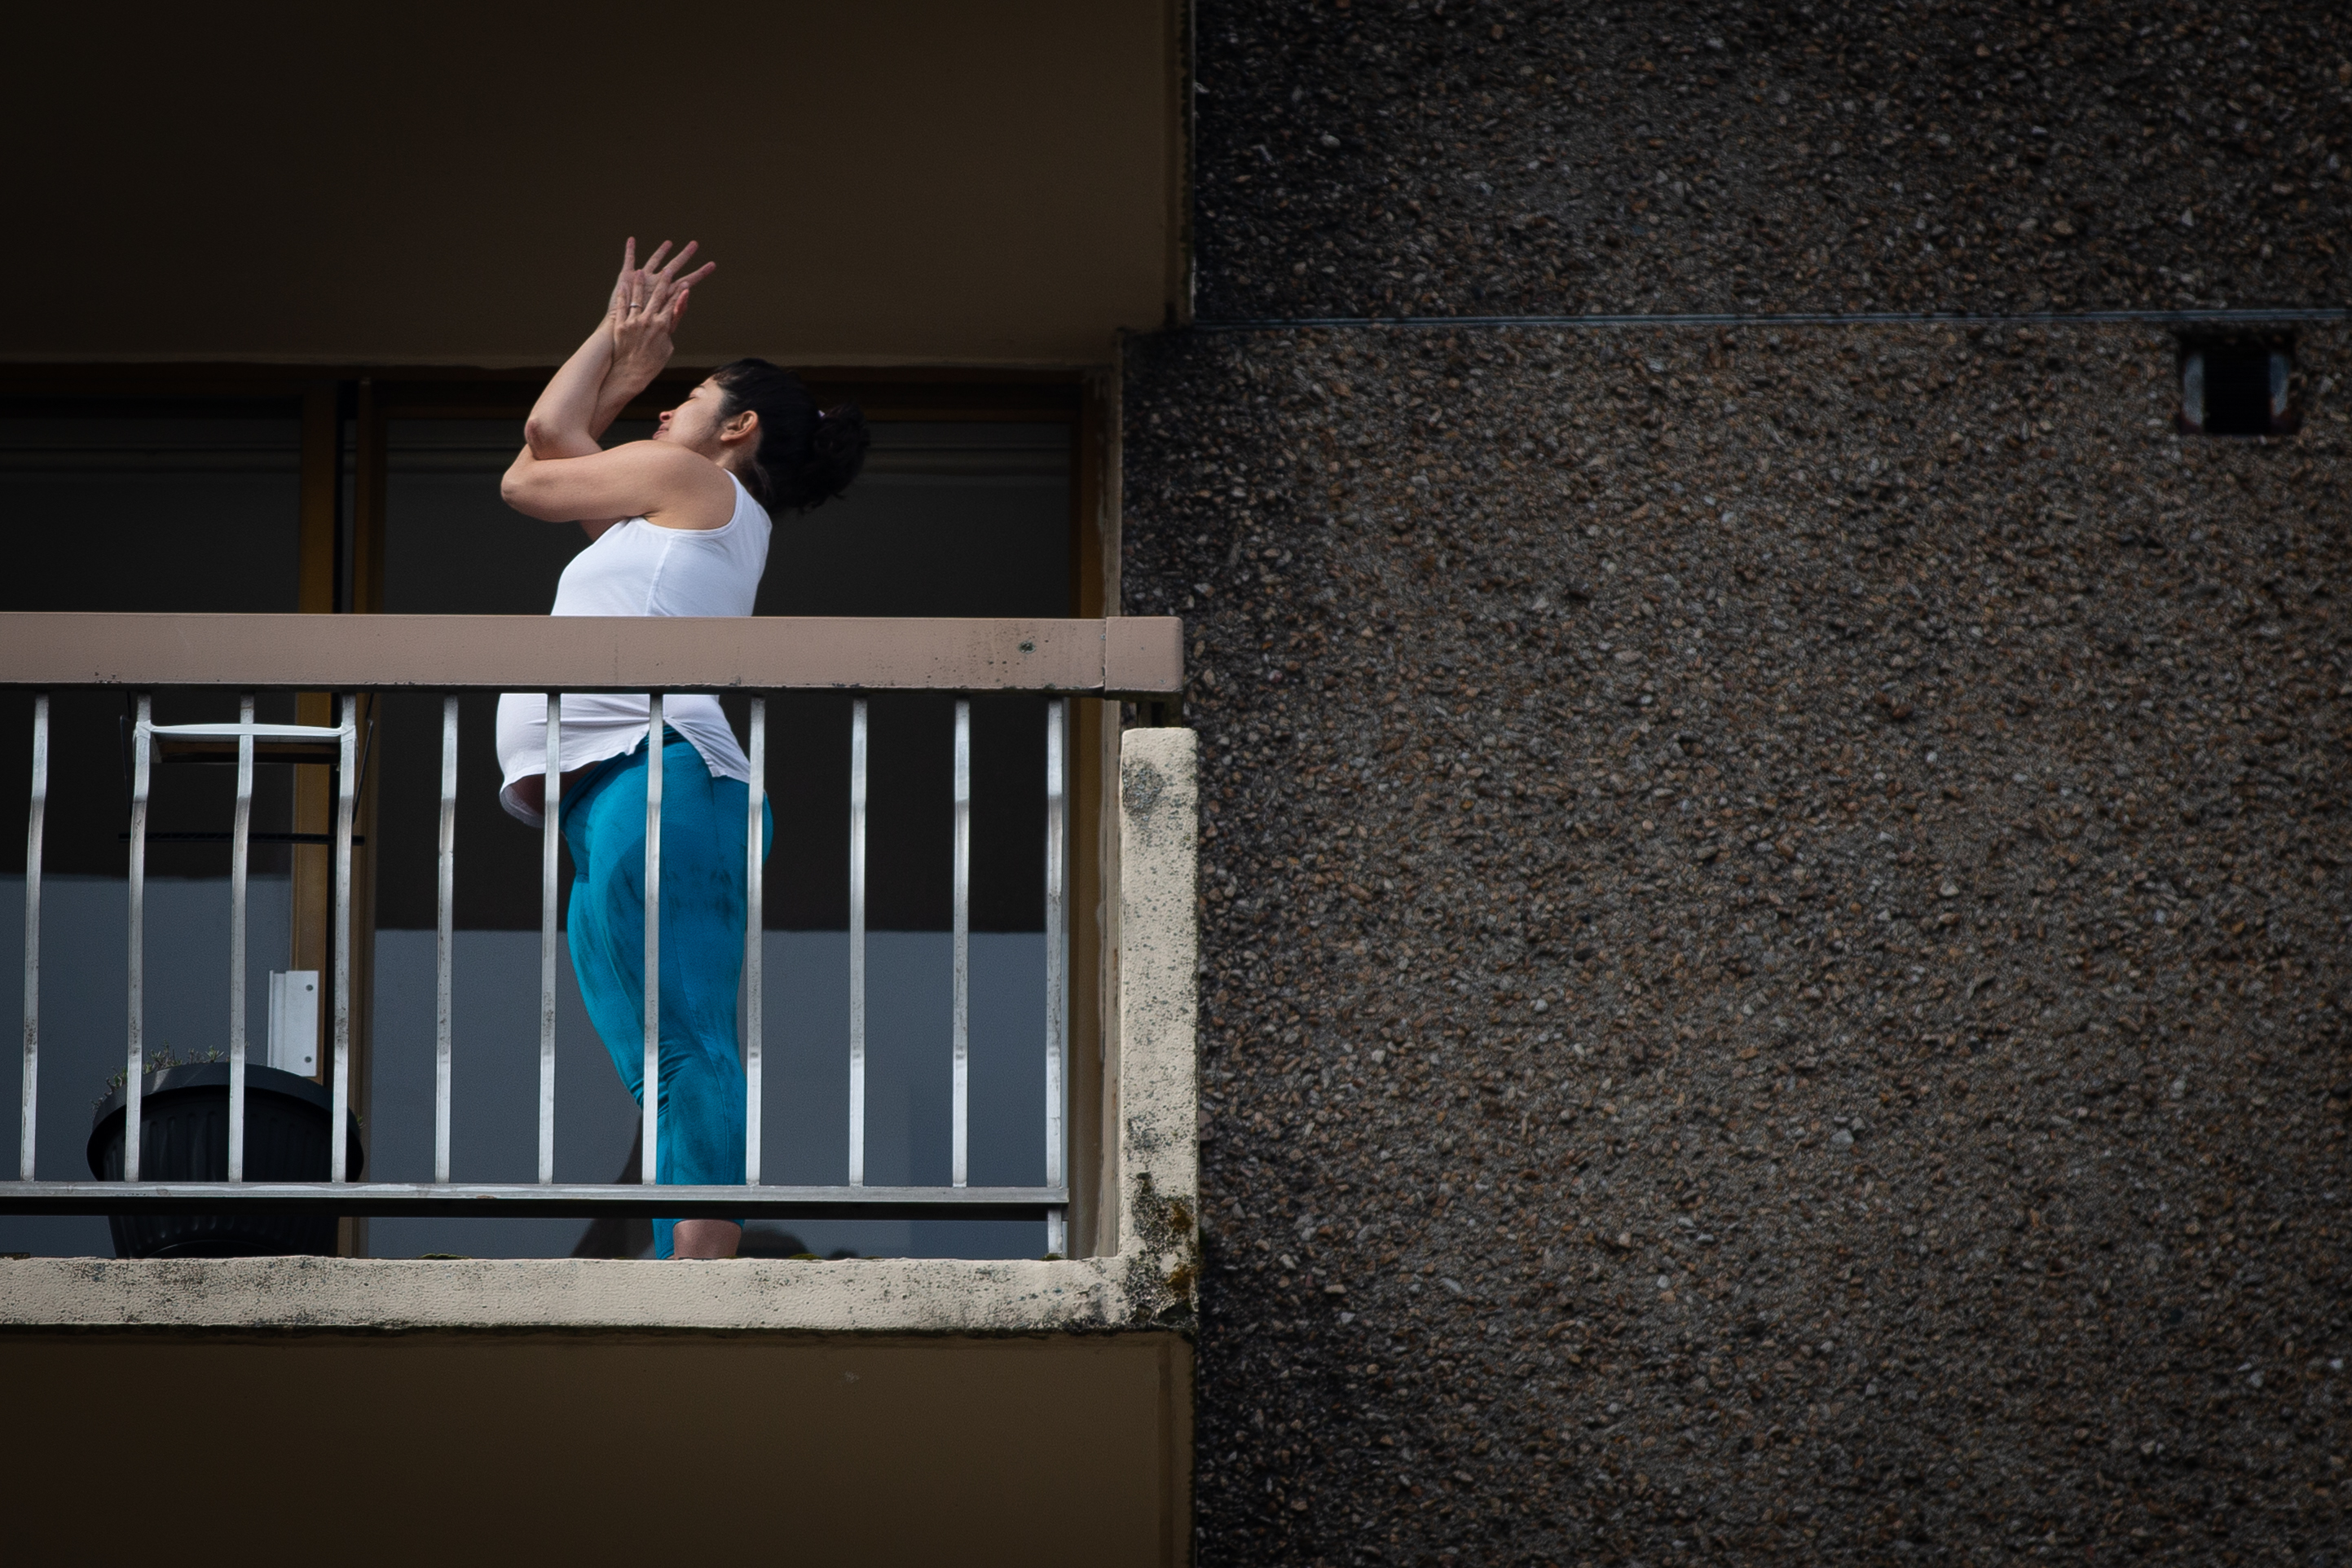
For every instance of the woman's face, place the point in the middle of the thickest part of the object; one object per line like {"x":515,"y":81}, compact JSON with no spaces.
{"x":696,"y":424}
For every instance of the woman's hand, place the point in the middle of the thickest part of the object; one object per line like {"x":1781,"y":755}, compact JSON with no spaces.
{"x":654,"y":290}
{"x":646,"y":306}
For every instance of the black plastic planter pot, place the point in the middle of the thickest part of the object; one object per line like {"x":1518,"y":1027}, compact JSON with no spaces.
{"x":184,"y":1137}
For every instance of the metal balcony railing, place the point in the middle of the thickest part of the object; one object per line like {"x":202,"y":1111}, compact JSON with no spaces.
{"x":1137,"y":658}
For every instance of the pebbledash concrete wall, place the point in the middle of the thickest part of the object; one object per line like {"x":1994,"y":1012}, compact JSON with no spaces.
{"x":1774,"y":898}
{"x":879,"y":1409}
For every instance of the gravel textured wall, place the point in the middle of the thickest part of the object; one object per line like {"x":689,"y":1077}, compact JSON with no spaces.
{"x":1775,"y":915}
{"x":1676,"y":156}
{"x":1774,"y":943}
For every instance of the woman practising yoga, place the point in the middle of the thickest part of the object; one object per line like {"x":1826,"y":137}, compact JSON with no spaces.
{"x":677,"y":525}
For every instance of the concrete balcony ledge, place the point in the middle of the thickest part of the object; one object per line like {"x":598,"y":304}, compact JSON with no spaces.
{"x":854,"y":1296}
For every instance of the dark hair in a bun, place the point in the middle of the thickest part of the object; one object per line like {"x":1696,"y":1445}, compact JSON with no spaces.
{"x":808,"y":454}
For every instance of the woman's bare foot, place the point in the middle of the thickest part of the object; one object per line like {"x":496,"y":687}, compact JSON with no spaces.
{"x":706,"y":1238}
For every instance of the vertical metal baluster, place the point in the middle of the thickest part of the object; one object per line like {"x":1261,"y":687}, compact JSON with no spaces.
{"x":239,"y":859}
{"x":442,"y":939}
{"x":754,"y":895}
{"x":550,"y":844}
{"x":962,"y":1026}
{"x":857,"y":942}
{"x":346,"y":801}
{"x":135,"y":1068}
{"x":648,"y":1166}
{"x":1058,"y":960}
{"x":32,"y":1084}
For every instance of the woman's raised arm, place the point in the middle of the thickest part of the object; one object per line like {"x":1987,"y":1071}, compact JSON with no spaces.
{"x":637,"y":478}
{"x":563,"y":473}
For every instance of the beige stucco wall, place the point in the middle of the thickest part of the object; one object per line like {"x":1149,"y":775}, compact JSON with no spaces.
{"x":1159,"y":986}
{"x":854,"y":1296}
{"x":442,"y":182}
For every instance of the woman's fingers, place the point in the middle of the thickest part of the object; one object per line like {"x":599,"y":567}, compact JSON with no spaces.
{"x":656,"y":285}
{"x":653,"y":296}
{"x":620,"y":301}
{"x":670,"y":292}
{"x":667,"y":283}
{"x":630,"y":294}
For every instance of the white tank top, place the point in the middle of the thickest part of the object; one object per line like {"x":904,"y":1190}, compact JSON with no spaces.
{"x":638,"y":569}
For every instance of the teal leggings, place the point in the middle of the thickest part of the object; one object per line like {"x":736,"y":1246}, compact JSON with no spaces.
{"x":701,"y":1134}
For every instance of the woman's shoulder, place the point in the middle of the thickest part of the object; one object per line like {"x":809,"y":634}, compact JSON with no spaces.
{"x":667,"y":521}
{"x":696,"y":488}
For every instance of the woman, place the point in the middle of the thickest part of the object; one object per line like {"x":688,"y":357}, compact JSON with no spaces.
{"x":679,"y":526}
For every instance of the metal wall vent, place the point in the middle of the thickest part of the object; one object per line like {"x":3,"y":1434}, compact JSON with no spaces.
{"x":2236,"y":389}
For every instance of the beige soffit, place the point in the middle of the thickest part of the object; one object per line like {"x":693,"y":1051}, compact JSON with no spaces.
{"x":928,"y":181}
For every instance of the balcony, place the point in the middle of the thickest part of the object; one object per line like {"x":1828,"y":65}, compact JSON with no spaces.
{"x":237,"y":659}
